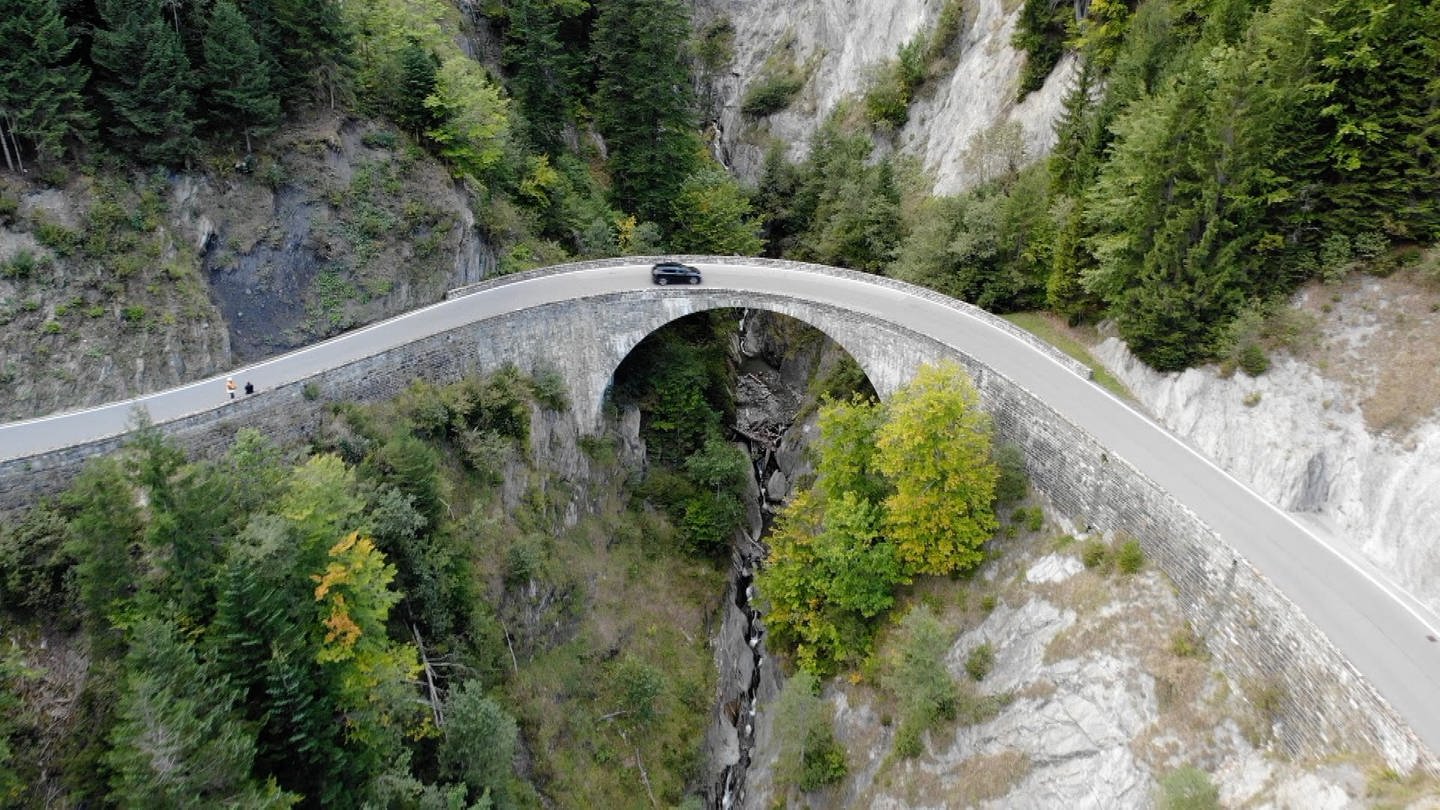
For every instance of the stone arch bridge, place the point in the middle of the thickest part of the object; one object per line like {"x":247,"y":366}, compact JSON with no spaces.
{"x":1275,"y":601}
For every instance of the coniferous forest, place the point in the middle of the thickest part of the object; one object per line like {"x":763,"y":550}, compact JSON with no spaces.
{"x":357,"y":622}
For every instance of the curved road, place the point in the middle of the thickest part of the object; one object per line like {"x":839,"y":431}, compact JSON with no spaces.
{"x":1381,"y":629}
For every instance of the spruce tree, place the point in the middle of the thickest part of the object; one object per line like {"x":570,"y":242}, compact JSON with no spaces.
{"x":543,"y":71}
{"x":418,"y":69}
{"x":237,"y":76}
{"x":1374,"y":89}
{"x":643,"y":104}
{"x":144,"y":76}
{"x":40,"y":86}
{"x":314,"y":43}
{"x":179,"y":740}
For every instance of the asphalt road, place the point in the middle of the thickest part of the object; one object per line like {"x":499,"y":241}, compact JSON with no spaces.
{"x":1381,"y":629}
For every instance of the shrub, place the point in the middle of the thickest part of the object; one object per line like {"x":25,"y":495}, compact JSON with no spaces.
{"x":523,"y":560}
{"x":51,"y":328}
{"x":988,"y":602}
{"x":1013,"y":483}
{"x":9,"y":207}
{"x":57,"y":237}
{"x":550,"y":390}
{"x":1186,"y":643}
{"x":1335,"y":257}
{"x":1370,"y":245}
{"x":310,"y":391}
{"x":1095,"y":554}
{"x":379,"y":139}
{"x":1130,"y":559}
{"x":133,"y":314}
{"x":887,"y":102}
{"x":1251,"y":399}
{"x":771,"y":94}
{"x":1188,"y":788}
{"x":1253,"y":360}
{"x":980,"y":661}
{"x":1034,"y":518}
{"x":717,"y":44}
{"x":22,"y":265}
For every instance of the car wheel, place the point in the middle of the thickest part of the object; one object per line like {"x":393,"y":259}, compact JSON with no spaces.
{"x":661,"y":281}
{"x":694,"y":279}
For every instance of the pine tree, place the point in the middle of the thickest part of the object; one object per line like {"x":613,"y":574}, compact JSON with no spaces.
{"x":643,"y":103}
{"x":479,"y":743}
{"x":144,"y":76}
{"x":40,"y":85}
{"x":237,"y":75}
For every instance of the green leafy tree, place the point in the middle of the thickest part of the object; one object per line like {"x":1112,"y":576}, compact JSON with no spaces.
{"x":145,"y":78}
{"x":828,"y":572}
{"x":41,"y":86}
{"x":370,"y":673}
{"x":935,"y":449}
{"x":713,"y":514}
{"x":712,"y":215}
{"x":845,"y":450}
{"x":472,"y":126}
{"x":236,"y":75}
{"x":478,"y":746}
{"x":178,"y":740}
{"x":643,"y":104}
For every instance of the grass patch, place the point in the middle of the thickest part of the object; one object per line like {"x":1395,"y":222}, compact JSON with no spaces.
{"x":1046,"y":328}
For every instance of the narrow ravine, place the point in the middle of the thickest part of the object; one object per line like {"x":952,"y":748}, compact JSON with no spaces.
{"x":766,"y":407}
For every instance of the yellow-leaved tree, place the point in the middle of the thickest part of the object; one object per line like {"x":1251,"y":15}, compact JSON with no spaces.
{"x":934,"y":449}
{"x":374,"y":673}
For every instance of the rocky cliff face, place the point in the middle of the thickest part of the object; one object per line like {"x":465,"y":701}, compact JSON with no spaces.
{"x":136,"y":283}
{"x":844,"y":43}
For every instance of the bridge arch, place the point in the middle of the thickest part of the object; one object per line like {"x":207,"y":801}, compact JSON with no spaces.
{"x":886,"y":357}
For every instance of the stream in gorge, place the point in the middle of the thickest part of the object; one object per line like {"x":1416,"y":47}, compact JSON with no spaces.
{"x":769,"y":389}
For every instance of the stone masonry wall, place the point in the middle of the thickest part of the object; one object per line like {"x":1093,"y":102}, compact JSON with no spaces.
{"x":1321,"y":706}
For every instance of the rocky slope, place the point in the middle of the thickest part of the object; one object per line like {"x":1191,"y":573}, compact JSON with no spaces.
{"x":1344,"y":429}
{"x":128,"y":284}
{"x":841,"y":44}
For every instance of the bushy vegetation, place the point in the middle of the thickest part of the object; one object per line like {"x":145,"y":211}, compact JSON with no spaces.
{"x":1188,"y":788}
{"x":809,"y":756}
{"x":677,"y":377}
{"x":902,"y":490}
{"x":356,"y":624}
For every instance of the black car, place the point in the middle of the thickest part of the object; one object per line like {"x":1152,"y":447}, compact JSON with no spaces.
{"x":674,"y":272}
